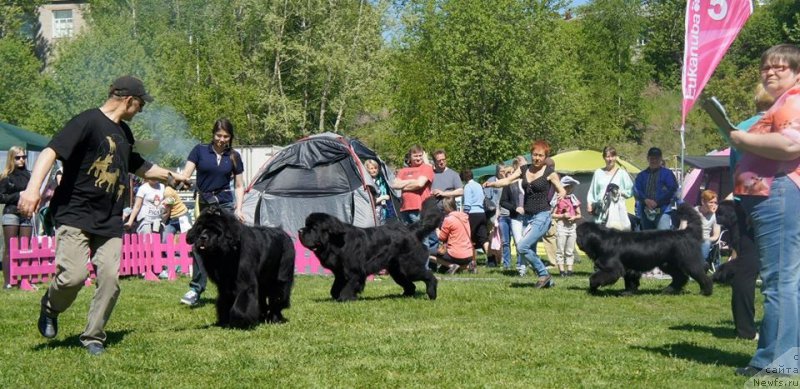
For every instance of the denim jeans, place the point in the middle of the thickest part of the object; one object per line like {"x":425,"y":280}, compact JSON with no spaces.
{"x":518,"y":225}
{"x":705,"y":248}
{"x":662,"y":222}
{"x":777,"y":234}
{"x":431,"y":241}
{"x":199,"y":275}
{"x":539,"y":224}
{"x":504,"y":223}
{"x":409,"y":217}
{"x":173,"y":227}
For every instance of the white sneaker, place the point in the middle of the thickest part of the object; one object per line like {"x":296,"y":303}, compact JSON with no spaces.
{"x":190,"y":298}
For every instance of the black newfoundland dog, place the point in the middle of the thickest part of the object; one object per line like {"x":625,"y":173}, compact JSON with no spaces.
{"x":746,"y":264}
{"x":253,"y":267}
{"x":353,"y":253}
{"x":629,"y":253}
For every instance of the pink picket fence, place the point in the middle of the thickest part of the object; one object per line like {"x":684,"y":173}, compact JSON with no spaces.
{"x":305,"y":262}
{"x":33,"y":260}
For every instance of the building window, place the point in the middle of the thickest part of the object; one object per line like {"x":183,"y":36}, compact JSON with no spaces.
{"x":62,"y":23}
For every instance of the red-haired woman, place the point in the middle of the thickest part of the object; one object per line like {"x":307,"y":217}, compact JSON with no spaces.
{"x":537,"y":180}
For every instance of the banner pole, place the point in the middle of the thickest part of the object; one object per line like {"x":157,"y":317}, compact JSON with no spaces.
{"x":683,"y":156}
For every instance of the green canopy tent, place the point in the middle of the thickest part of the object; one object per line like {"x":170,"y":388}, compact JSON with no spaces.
{"x":11,"y":135}
{"x":580,"y":164}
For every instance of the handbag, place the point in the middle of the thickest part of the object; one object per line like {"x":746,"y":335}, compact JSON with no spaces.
{"x":488,"y":206}
{"x":598,"y":207}
{"x":496,"y":242}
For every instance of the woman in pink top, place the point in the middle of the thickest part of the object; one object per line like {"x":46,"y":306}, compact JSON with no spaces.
{"x":767,"y":180}
{"x":455,"y":233}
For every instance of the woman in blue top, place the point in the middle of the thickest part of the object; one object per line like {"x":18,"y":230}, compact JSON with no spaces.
{"x":217,"y":164}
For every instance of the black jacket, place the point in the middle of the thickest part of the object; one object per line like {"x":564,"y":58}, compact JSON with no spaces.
{"x":508,"y":199}
{"x":11,"y":186}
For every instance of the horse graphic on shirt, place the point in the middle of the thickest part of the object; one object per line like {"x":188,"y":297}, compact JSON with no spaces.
{"x":99,"y":170}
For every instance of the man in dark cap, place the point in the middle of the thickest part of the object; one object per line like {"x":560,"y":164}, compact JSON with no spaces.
{"x":96,"y":150}
{"x":654,"y":189}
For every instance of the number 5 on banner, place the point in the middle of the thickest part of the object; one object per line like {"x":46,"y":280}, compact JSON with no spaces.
{"x":723,"y":9}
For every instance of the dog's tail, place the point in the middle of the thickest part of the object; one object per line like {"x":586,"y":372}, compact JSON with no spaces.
{"x":430,"y":219}
{"x":694,"y":225}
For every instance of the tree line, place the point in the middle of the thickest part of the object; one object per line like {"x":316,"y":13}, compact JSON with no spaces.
{"x":478,"y":78}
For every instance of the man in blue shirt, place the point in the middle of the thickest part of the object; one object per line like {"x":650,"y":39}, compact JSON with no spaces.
{"x":654,"y":189}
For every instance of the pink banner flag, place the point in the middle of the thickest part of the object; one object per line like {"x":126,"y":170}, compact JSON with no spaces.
{"x":711,"y":27}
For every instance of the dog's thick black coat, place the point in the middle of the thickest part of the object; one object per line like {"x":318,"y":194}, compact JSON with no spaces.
{"x":728,"y":215}
{"x":629,"y":253}
{"x":253,"y":267}
{"x":352,"y":253}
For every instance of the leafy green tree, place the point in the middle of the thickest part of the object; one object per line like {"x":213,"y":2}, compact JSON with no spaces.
{"x":663,"y":38}
{"x":18,"y":18}
{"x":278,"y":70}
{"x":20,"y":80}
{"x":488,"y":76}
{"x":612,"y":31}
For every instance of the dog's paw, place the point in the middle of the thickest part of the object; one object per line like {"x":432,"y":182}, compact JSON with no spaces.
{"x":626,"y":293}
{"x":276,"y":318}
{"x":344,"y":298}
{"x":670,"y":290}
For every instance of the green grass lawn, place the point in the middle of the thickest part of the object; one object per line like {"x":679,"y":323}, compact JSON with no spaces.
{"x":485,"y":330}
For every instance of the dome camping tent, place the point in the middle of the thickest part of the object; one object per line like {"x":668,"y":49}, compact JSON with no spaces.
{"x":320,"y":173}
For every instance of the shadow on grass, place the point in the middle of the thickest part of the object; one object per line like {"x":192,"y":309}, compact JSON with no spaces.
{"x":700,"y":354}
{"x":523,"y":284}
{"x":113,"y":337}
{"x":720,"y":331}
{"x":203,"y":301}
{"x":619,"y":292}
{"x":418,"y":295}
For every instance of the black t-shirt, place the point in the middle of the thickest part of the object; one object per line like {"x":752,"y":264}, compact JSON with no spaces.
{"x":97,"y":156}
{"x":536,"y":191}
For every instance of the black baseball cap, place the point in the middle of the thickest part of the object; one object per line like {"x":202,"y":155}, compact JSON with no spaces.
{"x":654,"y":152}
{"x":130,"y":86}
